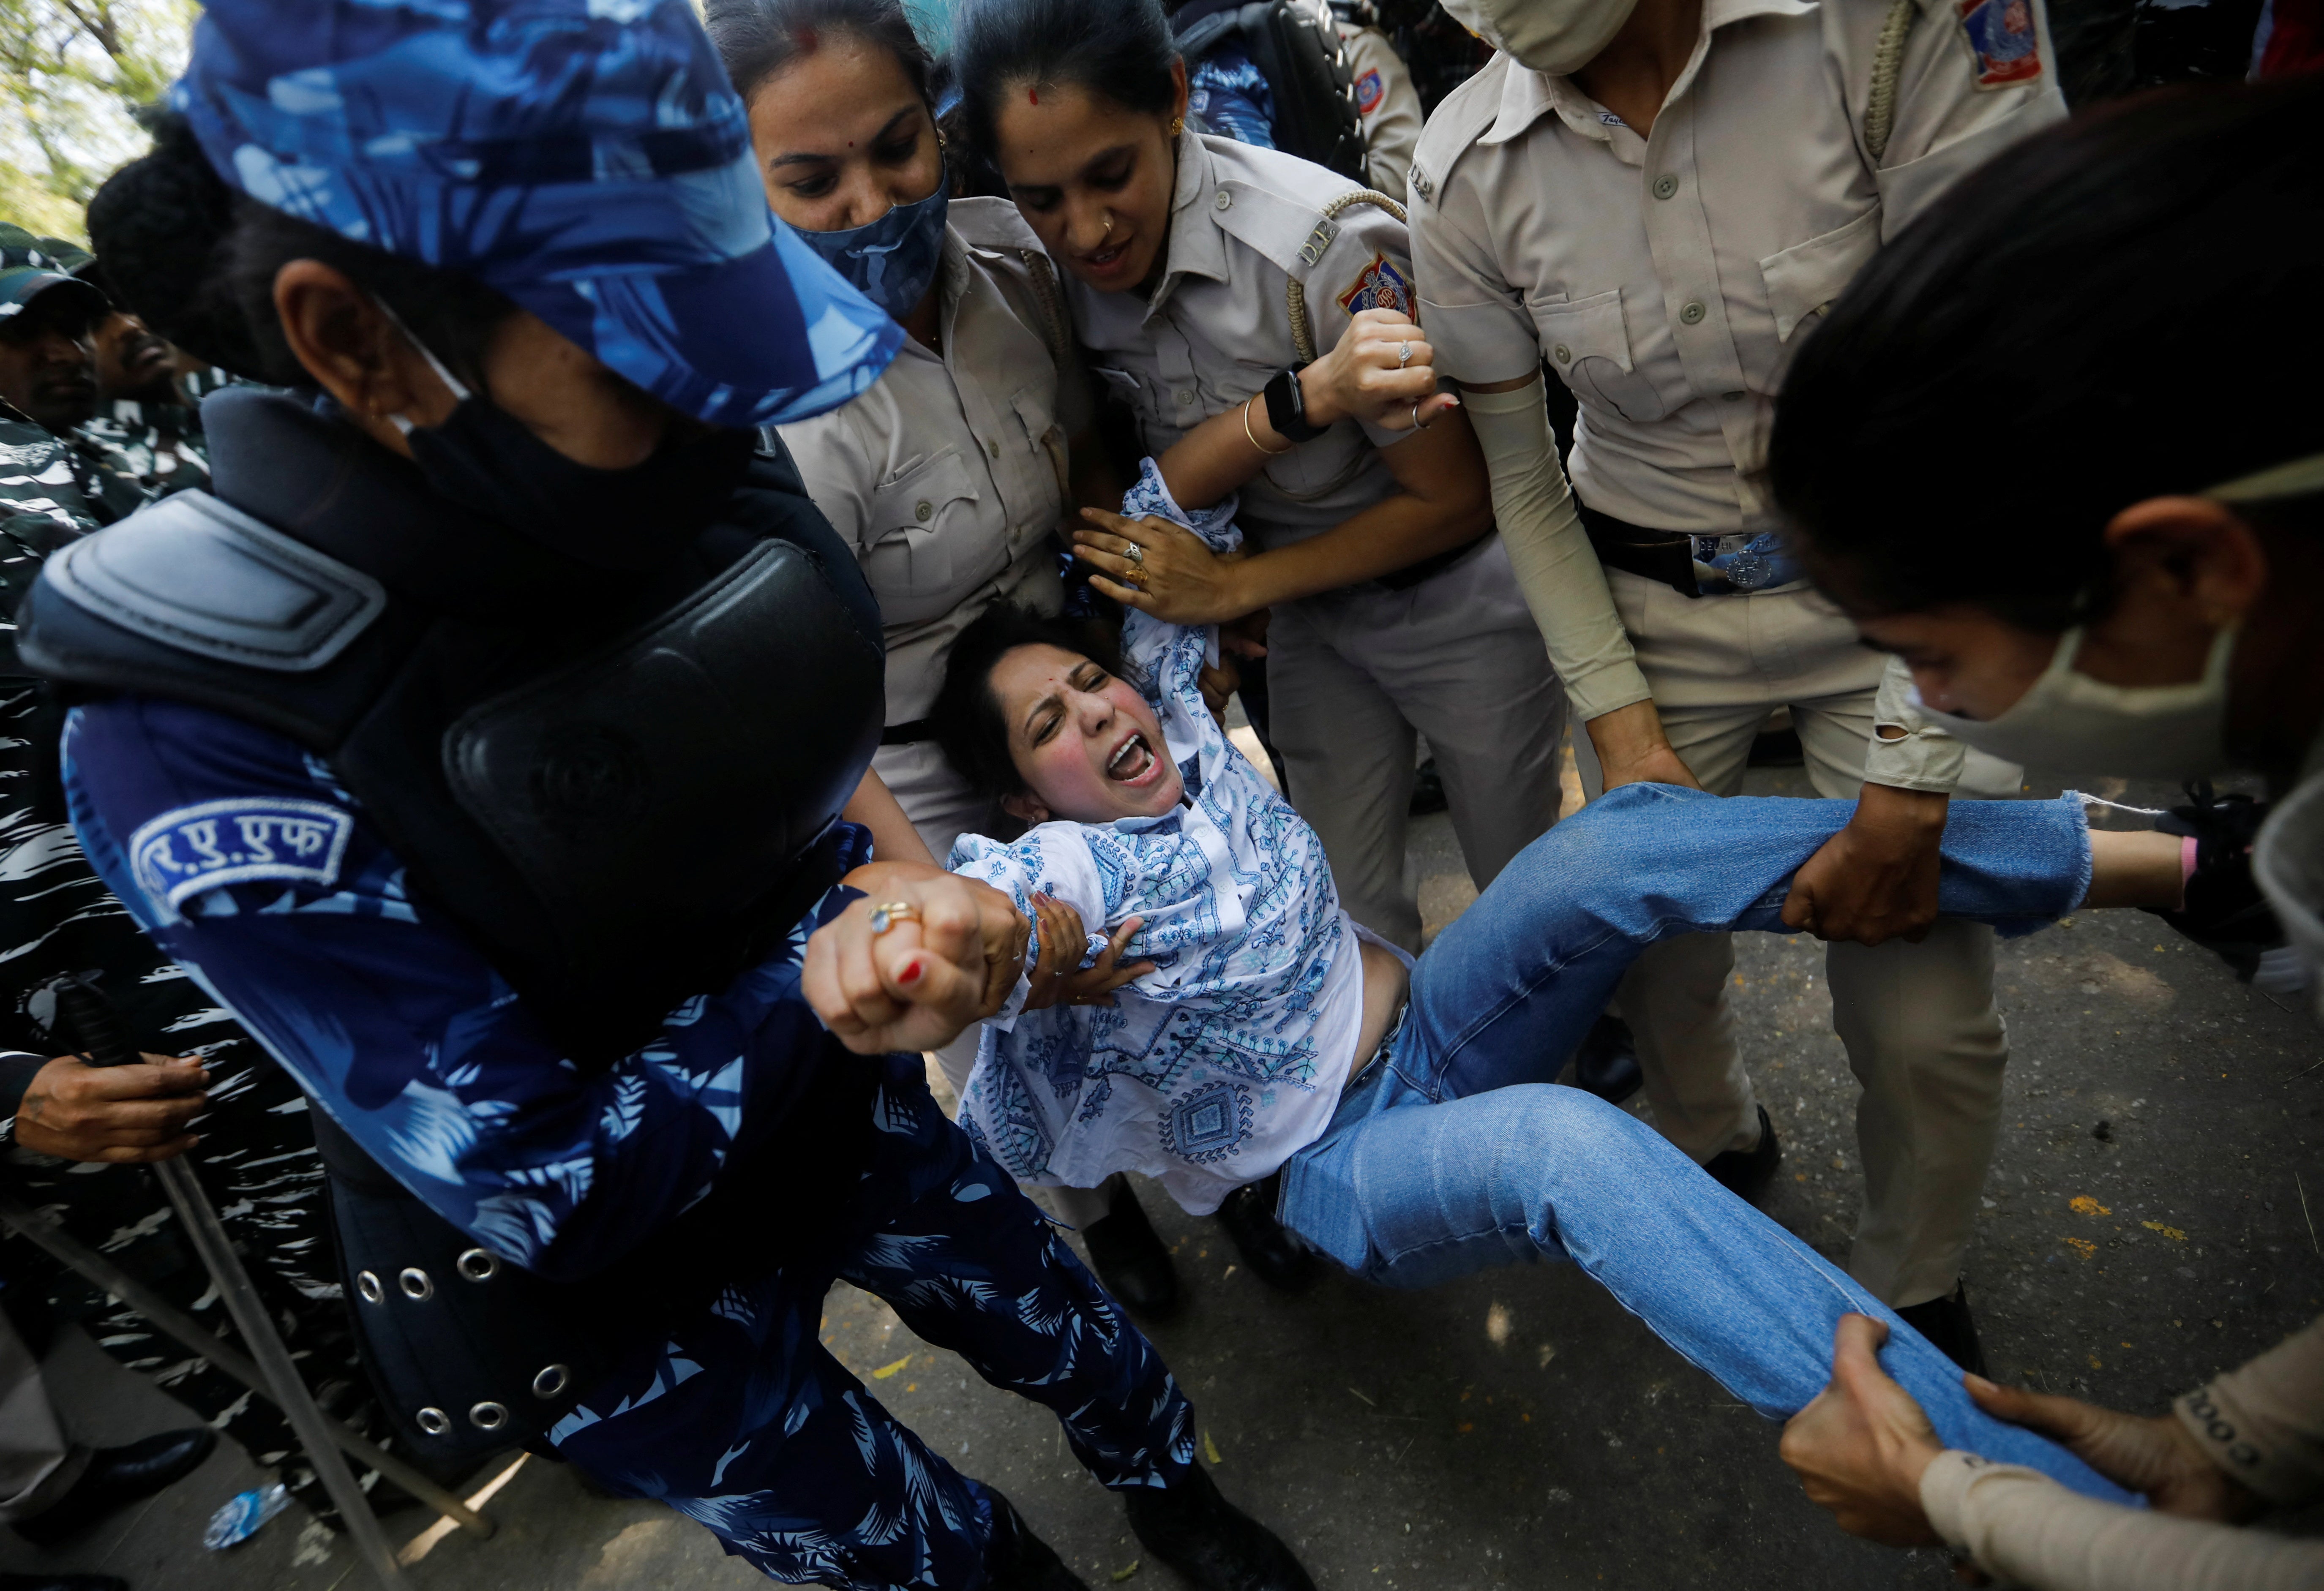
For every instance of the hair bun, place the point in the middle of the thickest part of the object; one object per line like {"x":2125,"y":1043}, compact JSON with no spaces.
{"x":159,"y":226}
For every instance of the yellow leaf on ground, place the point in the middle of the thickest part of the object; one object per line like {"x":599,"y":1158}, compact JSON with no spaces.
{"x":1120,"y":1575}
{"x":2093,"y":1362}
{"x":2174,"y":1233}
{"x":2083,"y":1246}
{"x":2086,"y":1205}
{"x":1211,"y":1450}
{"x":885,"y":1371}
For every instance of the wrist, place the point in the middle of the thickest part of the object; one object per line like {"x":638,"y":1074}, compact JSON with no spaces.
{"x":1628,"y":734}
{"x":1319,"y":400}
{"x":1921,"y":812}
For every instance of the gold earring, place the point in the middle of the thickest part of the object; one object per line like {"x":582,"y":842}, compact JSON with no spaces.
{"x":1177,"y":125}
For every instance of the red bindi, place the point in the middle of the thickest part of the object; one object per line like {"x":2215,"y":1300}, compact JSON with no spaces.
{"x":1032,"y":96}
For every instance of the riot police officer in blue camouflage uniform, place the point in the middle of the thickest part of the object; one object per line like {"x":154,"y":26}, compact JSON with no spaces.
{"x":482,"y":740}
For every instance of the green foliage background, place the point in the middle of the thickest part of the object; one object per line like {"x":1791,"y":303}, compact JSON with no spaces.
{"x":73,"y":76}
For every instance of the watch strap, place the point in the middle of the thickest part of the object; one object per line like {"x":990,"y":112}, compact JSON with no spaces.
{"x":1286,"y":409}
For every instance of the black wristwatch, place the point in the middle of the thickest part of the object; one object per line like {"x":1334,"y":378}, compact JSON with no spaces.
{"x":1286,"y":409}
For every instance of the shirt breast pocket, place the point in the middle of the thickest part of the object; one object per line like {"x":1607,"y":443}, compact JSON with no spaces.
{"x":1803,"y":280}
{"x":1589,"y":346}
{"x":917,"y":520}
{"x":1124,"y":386}
{"x":1044,"y":436}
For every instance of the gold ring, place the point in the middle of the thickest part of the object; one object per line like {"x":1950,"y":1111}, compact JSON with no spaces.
{"x":887,"y":915}
{"x":1135,"y":579}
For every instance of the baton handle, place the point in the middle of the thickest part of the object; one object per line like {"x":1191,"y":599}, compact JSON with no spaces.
{"x":94,"y":1020}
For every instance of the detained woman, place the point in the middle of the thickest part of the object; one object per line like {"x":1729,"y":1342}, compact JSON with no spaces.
{"x":1411,"y":1117}
{"x":2143,"y":599}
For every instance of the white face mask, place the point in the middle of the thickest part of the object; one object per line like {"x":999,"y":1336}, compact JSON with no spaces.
{"x":1559,"y":37}
{"x":2077,"y":724}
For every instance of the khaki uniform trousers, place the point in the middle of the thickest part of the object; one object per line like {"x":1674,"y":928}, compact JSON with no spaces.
{"x":1917,"y":1020}
{"x":1352,"y":674}
{"x":37,"y":1464}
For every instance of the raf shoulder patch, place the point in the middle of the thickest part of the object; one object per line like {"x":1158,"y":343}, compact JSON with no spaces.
{"x":2004,"y":39}
{"x":1379,"y":286}
{"x":238,"y":841}
{"x":1369,"y":92}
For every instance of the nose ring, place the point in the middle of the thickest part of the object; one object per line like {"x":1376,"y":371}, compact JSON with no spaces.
{"x":1109,"y":222}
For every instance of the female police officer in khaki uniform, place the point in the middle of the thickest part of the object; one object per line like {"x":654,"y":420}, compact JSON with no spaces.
{"x":1202,"y":271}
{"x":1657,"y":197}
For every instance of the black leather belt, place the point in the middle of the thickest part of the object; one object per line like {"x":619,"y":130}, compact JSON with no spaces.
{"x":1665,"y":557}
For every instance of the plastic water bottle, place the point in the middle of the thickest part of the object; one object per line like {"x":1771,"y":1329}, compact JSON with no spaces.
{"x":241,"y":1518}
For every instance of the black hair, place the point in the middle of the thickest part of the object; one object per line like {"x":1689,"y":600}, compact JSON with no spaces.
{"x":756,"y":39}
{"x":1119,"y":49}
{"x":2117,"y":308}
{"x":971,"y":727}
{"x":195,"y":261}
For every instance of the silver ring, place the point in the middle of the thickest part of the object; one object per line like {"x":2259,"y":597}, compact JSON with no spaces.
{"x":1415,"y":419}
{"x":1403,"y":355}
{"x":1136,"y":554}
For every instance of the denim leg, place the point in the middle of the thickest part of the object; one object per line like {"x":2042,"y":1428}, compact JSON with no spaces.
{"x":1511,"y":987}
{"x":1409,"y":1193}
{"x":970,"y":1264}
{"x":741,"y":1420}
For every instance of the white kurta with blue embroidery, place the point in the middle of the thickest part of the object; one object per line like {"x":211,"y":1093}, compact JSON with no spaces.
{"x":1211,"y":1069}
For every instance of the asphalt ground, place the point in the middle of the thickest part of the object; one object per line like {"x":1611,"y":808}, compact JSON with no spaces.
{"x":2152,"y":1217}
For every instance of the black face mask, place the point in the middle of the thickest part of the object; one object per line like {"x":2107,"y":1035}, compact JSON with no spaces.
{"x":484,"y":459}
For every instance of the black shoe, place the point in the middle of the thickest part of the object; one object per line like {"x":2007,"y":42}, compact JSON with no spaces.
{"x":118,"y":1476}
{"x":1946,"y":1323}
{"x":1213,"y":1545}
{"x":1427,"y":790}
{"x":1130,"y":1258}
{"x":2224,"y":912}
{"x":1746,"y":1173}
{"x":61,"y":1583}
{"x":1606,"y":1063}
{"x":1265,"y":1244}
{"x":1016,"y":1560}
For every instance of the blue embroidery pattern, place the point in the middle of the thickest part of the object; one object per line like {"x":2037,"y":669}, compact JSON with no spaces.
{"x":1206,"y":1071}
{"x":238,"y":842}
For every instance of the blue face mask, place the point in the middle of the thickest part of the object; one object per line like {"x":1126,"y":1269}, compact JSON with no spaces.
{"x":892,"y":260}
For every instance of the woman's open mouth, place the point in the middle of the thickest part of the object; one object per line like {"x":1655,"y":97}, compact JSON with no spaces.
{"x":1106,"y":262}
{"x":1133,"y":761}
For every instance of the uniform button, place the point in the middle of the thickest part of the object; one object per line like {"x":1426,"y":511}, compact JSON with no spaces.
{"x":1186,"y":396}
{"x":1693,"y":313}
{"x":1732,"y":397}
{"x":1562,"y":354}
{"x":1225,"y":200}
{"x":1665,"y":185}
{"x":922,"y":512}
{"x":993,"y":448}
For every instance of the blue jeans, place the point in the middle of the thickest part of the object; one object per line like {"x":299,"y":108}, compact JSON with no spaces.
{"x":1454,"y":1154}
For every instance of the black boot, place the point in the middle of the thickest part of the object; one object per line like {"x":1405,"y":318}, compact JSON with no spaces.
{"x":1271,"y":1251}
{"x":1213,"y":1545}
{"x":1746,"y":1173}
{"x":1016,"y":1560}
{"x":1128,"y":1258}
{"x":61,"y":1582}
{"x":1946,"y":1323}
{"x":116,"y":1478}
{"x":1606,"y":1063}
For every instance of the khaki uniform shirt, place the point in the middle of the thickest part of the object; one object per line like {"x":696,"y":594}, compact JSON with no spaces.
{"x":1388,"y":104}
{"x":948,"y":474}
{"x":1244,"y":223}
{"x":1666,"y":278}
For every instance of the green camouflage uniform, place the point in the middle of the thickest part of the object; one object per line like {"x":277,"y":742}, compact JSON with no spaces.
{"x":158,"y":446}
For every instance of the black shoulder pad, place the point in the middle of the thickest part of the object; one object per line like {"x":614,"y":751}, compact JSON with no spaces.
{"x":206,"y":578}
{"x":197,"y":602}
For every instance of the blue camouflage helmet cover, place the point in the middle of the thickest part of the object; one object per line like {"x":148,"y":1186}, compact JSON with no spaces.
{"x":587,"y":158}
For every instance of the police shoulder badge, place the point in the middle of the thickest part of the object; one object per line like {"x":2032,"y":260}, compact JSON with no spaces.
{"x":1369,"y":92}
{"x":2004,"y":39}
{"x":238,"y":841}
{"x":1379,"y":285}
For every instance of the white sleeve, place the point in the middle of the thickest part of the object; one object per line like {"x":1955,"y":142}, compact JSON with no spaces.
{"x":1053,"y":860}
{"x":1474,"y":319}
{"x":2026,"y":1529}
{"x":1556,"y":567}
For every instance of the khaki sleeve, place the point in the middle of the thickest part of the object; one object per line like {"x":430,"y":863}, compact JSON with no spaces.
{"x":1924,"y":757}
{"x":1480,"y":332}
{"x":2263,"y":1423}
{"x":1556,"y":567}
{"x":1367,"y":266}
{"x":1392,"y":125}
{"x":1961,"y":95}
{"x":2026,"y":1529}
{"x":838,"y":470}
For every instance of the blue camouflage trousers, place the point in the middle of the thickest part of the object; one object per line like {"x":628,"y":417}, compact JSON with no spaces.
{"x":743,"y":1420}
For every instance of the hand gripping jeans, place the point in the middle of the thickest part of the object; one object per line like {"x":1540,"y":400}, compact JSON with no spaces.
{"x":1454,"y":1153}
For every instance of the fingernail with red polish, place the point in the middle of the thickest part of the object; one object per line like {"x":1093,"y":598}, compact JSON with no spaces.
{"x":910,"y":974}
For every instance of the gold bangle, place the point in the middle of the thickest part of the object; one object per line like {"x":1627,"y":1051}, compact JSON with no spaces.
{"x":1255,"y":442}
